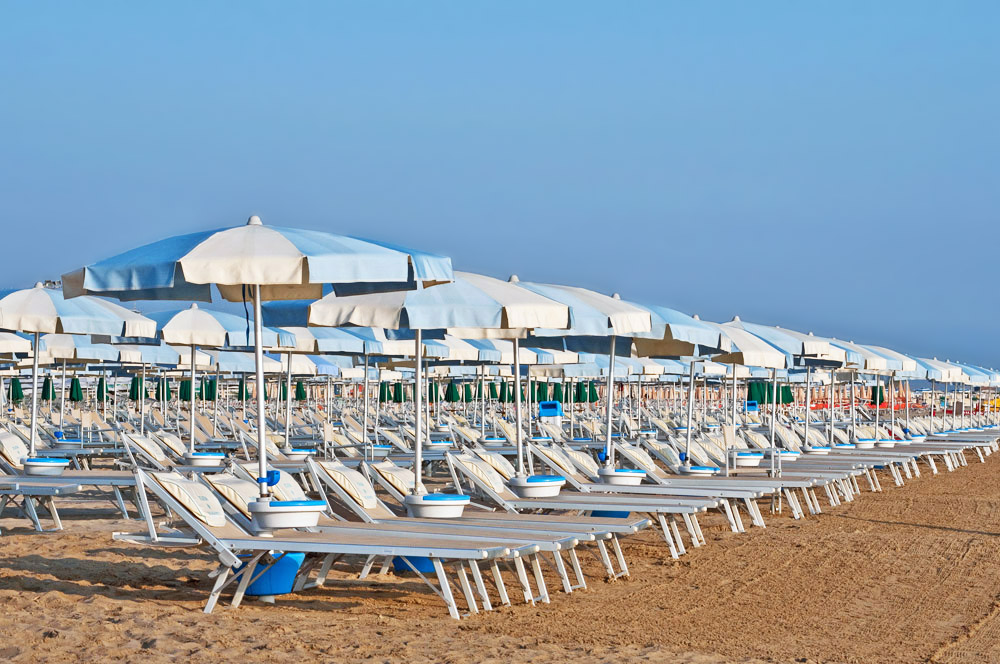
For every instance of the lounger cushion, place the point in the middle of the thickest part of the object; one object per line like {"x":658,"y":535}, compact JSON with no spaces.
{"x":195,"y":497}
{"x":352,"y":482}
{"x":13,"y":449}
{"x":237,"y":491}
{"x":401,"y":479}
{"x":499,"y":464}
{"x":149,"y":447}
{"x":484,"y":472}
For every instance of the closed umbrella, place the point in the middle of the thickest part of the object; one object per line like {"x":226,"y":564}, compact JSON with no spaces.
{"x":300,"y":391}
{"x":48,"y":389}
{"x":135,"y":389}
{"x":75,"y":391}
{"x":15,"y":392}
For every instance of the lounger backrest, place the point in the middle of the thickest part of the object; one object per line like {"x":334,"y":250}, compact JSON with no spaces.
{"x":500,"y":464}
{"x":352,"y":482}
{"x":401,"y":479}
{"x":483,"y":472}
{"x":286,"y":488}
{"x":13,"y":449}
{"x":583,"y":460}
{"x":558,"y":458}
{"x":173,"y":442}
{"x":667,"y":451}
{"x":238,"y":492}
{"x":150,"y":448}
{"x":194,"y":496}
{"x":640,"y":458}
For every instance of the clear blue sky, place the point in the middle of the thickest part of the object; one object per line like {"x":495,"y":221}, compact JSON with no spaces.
{"x":826,"y":166}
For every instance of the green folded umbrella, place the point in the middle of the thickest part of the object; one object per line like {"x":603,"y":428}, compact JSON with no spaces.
{"x":75,"y":391}
{"x":398,"y":393}
{"x":209,"y":389}
{"x":135,"y":388}
{"x":541,"y":391}
{"x":162,"y":389}
{"x":383,"y":392}
{"x":15,"y":393}
{"x":300,"y":391}
{"x":594,"y":398}
{"x":185,"y":393}
{"x":494,"y":391}
{"x":880,"y":395}
{"x":468,"y":393}
{"x":451,"y":394}
{"x":48,"y":389}
{"x":243,"y":392}
{"x":504,"y":395}
{"x":581,"y":393}
{"x":557,"y":393}
{"x":102,"y":390}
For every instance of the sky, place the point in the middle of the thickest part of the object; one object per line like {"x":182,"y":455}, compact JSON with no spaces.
{"x":831,"y":167}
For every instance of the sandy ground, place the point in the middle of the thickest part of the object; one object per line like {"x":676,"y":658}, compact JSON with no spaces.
{"x":907,"y":575}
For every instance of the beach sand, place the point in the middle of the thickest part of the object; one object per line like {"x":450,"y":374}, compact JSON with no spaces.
{"x":907,"y":575}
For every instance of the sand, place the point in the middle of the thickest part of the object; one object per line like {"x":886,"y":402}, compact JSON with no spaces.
{"x":907,"y":575}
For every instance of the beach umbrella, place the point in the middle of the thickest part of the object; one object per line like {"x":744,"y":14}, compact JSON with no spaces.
{"x":75,"y":391}
{"x":469,"y":397}
{"x":163,"y":389}
{"x":593,"y":397}
{"x":242,"y":390}
{"x":558,"y":394}
{"x":102,"y":390}
{"x":472,"y":306}
{"x":258,"y":263}
{"x":300,"y":391}
{"x":48,"y":389}
{"x":41,"y":310}
{"x":384,"y":392}
{"x":15,"y":393}
{"x":135,"y":389}
{"x":185,"y":391}
{"x":451,"y":394}
{"x":398,"y":393}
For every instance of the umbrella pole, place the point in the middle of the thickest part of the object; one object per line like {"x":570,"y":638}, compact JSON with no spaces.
{"x":878,"y":401}
{"x":774,"y":416}
{"x":572,"y":410}
{"x":142,"y":403}
{"x":364,"y":419}
{"x":809,"y":387}
{"x":378,"y":403}
{"x":418,"y":448}
{"x":288,"y":401}
{"x":258,"y":356}
{"x":62,"y":398}
{"x":734,"y":420}
{"x":892,"y":405}
{"x":933,"y":405}
{"x":34,"y":394}
{"x":690,"y":415}
{"x":609,"y":450}
{"x":194,"y":353}
{"x":517,"y":408}
{"x":215,"y":406}
{"x":833,"y":397}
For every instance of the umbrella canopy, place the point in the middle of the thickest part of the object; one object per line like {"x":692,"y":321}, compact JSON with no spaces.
{"x":76,"y":348}
{"x":749,"y":349}
{"x":472,"y":301}
{"x":804,"y":348}
{"x":287,"y":263}
{"x":195,"y":326}
{"x":46,"y":310}
{"x":674,"y":334}
{"x":159,"y":353}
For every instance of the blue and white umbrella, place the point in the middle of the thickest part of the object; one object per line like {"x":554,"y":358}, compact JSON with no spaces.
{"x":258,"y":263}
{"x":41,"y":310}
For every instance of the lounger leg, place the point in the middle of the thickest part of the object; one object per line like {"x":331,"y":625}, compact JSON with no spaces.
{"x":622,"y":565}
{"x":574,"y":561}
{"x":449,"y":599}
{"x":916,"y":468}
{"x":543,"y":591}
{"x":29,"y":508}
{"x":463,"y":581}
{"x":561,"y":570}
{"x":678,"y":540}
{"x":121,"y":503}
{"x":805,"y":497}
{"x":53,"y":512}
{"x":606,"y":560}
{"x":522,"y":576}
{"x":367,"y":567}
{"x":220,"y":581}
{"x":815,"y":499}
{"x":691,"y":530}
{"x":247,"y":575}
{"x":728,"y":511}
{"x":477,"y":578}
{"x":498,"y":582}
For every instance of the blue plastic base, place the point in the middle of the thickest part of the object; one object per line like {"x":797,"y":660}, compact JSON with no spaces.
{"x":277,"y":580}
{"x":610,"y":514}
{"x":423,"y":565}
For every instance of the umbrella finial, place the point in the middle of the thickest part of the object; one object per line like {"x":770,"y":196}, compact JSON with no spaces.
{"x":513,"y":279}
{"x":39,"y":284}
{"x":254,"y":221}
{"x":696,"y":317}
{"x":616,"y":296}
{"x":736,"y":319}
{"x":194,"y":305}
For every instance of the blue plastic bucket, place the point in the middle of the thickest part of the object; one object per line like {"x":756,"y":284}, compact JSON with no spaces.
{"x":279,"y":578}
